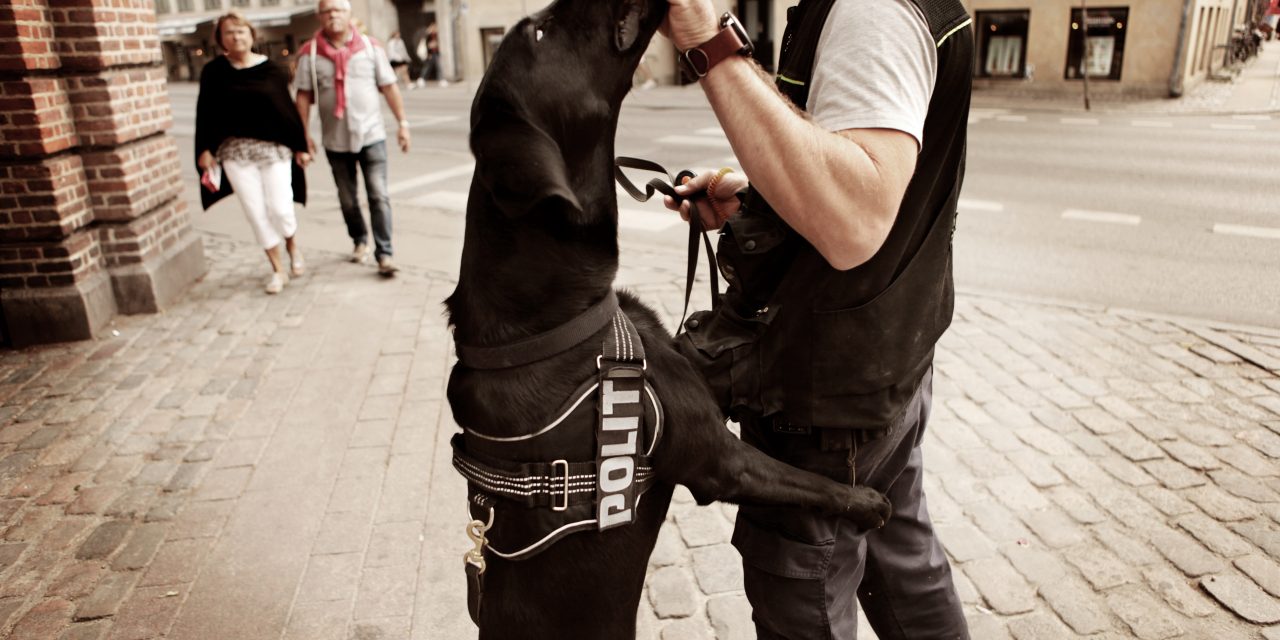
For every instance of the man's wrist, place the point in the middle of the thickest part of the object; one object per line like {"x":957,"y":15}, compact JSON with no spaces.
{"x":403,"y":124}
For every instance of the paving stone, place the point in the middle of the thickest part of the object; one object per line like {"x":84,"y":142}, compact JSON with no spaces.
{"x":1248,"y":461}
{"x":1193,"y":456}
{"x":1038,"y":565}
{"x":1084,"y":473}
{"x":141,"y":548}
{"x":9,"y":554}
{"x":1133,"y":446}
{"x":963,"y":542}
{"x":1260,"y":532}
{"x":1077,"y":605}
{"x":730,"y":617}
{"x":1126,"y":507}
{"x":702,"y":526}
{"x":1183,"y":551}
{"x":1243,"y":597}
{"x":1271,"y":633}
{"x":687,"y":629}
{"x":1016,"y":493}
{"x":1103,"y":569}
{"x":93,"y":630}
{"x":1126,"y":472}
{"x":77,"y":580}
{"x":1246,"y":487}
{"x":1155,"y":429}
{"x":1264,"y":571}
{"x":1000,"y":585}
{"x":1168,"y":502}
{"x":106,"y":598}
{"x":177,"y":562}
{"x":1176,"y":591}
{"x":1220,"y":505}
{"x":672,"y":594}
{"x":1077,"y":504}
{"x":1037,"y":626}
{"x":717,"y":568}
{"x":1036,"y":468}
{"x":997,"y":522}
{"x":148,"y":613}
{"x":1055,"y":419}
{"x":385,"y":592}
{"x":1148,"y":618}
{"x":104,"y":540}
{"x":1173,"y":474}
{"x":1119,"y":407}
{"x":44,"y":620}
{"x":1090,"y":445}
{"x":1266,"y":442}
{"x":1211,"y":534}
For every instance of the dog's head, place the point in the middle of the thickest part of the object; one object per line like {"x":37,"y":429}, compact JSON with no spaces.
{"x":544,"y":117}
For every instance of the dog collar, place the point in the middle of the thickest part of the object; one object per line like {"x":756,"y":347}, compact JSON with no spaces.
{"x":543,"y":345}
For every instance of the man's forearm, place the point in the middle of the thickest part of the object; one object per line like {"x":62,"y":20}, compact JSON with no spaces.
{"x":826,"y":186}
{"x":394,"y":100}
{"x":303,"y":103}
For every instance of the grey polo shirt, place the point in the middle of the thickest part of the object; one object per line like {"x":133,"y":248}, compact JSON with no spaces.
{"x":361,"y":125}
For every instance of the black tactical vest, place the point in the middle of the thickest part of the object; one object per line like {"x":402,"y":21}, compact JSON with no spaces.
{"x":847,"y":349}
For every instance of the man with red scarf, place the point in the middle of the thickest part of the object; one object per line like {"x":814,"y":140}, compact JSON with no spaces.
{"x":344,"y":71}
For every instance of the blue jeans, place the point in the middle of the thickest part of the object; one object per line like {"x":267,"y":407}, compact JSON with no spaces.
{"x":372,"y":161}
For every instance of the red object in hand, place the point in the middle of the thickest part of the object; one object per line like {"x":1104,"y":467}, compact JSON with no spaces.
{"x":212,"y":178}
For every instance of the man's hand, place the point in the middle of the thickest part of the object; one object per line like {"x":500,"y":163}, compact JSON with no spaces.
{"x":720,"y":204}
{"x":302,"y":158}
{"x":206,"y":160}
{"x":403,"y":138}
{"x":690,"y":23}
{"x":311,"y":146}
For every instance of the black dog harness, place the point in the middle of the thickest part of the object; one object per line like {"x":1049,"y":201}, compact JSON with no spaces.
{"x":519,"y":509}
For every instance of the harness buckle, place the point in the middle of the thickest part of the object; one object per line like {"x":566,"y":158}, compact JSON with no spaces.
{"x":564,"y":502}
{"x":644,"y":363}
{"x":476,"y":531}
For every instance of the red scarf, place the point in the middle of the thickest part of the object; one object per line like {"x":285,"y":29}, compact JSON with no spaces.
{"x":340,"y":56}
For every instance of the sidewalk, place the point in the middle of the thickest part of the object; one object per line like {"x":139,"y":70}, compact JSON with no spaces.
{"x":1255,"y":91}
{"x":246,"y":466}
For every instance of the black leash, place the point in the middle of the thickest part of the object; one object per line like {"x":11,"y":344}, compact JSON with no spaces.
{"x":667,"y":187}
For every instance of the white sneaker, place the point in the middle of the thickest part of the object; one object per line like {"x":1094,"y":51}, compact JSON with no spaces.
{"x":277,"y":282}
{"x":387,"y":268}
{"x":360,"y":253}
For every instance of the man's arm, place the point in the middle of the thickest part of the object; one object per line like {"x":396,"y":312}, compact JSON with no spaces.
{"x":841,"y":191}
{"x":303,"y":100}
{"x":394,"y":100}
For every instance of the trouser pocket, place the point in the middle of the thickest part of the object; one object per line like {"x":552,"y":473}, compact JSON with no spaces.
{"x":785,"y":580}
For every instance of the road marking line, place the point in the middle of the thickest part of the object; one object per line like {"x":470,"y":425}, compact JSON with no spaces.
{"x":438,"y":176}
{"x":427,"y":121}
{"x":1079,"y":121}
{"x":966,"y":204}
{"x":1155,"y":124}
{"x":694,"y":141}
{"x":1011,"y":118}
{"x":710,"y":131}
{"x":449,"y":200}
{"x":641,"y":220}
{"x":1101,"y":216}
{"x":1271,"y":233}
{"x":1233,"y":127}
{"x":1251,"y":116}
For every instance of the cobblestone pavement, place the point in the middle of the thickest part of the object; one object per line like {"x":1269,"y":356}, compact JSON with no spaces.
{"x":248,"y":466}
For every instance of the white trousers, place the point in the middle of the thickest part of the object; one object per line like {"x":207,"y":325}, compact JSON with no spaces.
{"x":266,"y":195}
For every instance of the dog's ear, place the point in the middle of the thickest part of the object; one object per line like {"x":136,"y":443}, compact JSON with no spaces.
{"x":522,"y":168}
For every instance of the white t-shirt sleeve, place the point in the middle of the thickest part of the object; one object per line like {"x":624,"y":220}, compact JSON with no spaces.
{"x":875,"y":68}
{"x":302,"y":75}
{"x":384,"y":75}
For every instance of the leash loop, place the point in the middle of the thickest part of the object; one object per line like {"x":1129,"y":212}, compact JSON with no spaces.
{"x":657,"y":185}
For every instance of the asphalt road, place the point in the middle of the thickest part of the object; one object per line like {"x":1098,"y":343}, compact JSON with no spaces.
{"x":1169,"y":214}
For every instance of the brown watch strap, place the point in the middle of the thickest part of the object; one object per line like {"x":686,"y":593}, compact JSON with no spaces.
{"x":700,"y":59}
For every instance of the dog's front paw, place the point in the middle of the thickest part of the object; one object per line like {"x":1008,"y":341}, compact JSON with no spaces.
{"x":868,"y":508}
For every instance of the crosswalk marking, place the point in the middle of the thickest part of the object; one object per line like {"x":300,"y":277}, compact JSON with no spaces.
{"x":1078,"y":121}
{"x":1222,"y":126}
{"x":1154,"y":124}
{"x":1011,"y":118}
{"x":979,"y":205}
{"x":1251,"y":116}
{"x":628,"y":218}
{"x":1272,"y":233}
{"x":694,"y":141}
{"x":436,"y":176}
{"x":1101,"y":216}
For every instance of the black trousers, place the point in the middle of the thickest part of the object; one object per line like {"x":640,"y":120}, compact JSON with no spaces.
{"x":803,"y":570}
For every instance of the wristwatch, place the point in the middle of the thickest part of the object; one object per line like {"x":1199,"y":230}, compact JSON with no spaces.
{"x":732,"y":40}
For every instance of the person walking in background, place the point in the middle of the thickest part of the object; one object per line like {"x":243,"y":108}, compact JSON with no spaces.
{"x":429,"y":53}
{"x":247,"y":127}
{"x":398,"y":54}
{"x":838,"y":257}
{"x":344,"y":72}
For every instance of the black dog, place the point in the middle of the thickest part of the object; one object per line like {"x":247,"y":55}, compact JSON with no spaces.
{"x":540,"y":248}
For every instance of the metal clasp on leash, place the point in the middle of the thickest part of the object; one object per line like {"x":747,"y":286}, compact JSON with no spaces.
{"x":564,"y":500}
{"x":476,"y":531}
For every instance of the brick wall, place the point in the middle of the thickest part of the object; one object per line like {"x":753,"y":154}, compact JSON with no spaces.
{"x":89,"y":181}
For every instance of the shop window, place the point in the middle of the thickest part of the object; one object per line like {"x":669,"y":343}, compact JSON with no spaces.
{"x":490,"y":38}
{"x":239,"y":3}
{"x":1107,"y":27}
{"x":162,"y":7}
{"x":1002,"y":43}
{"x":213,"y":5}
{"x":186,"y":6}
